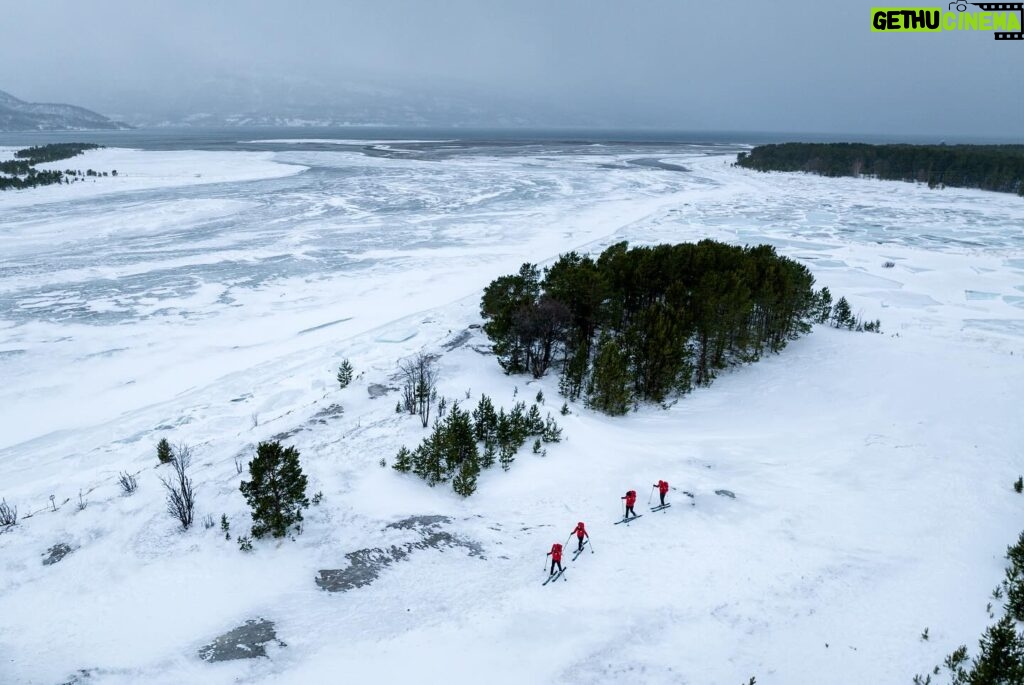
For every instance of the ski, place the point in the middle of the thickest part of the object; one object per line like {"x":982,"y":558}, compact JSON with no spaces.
{"x":579,"y":551}
{"x":629,"y":519}
{"x":661,"y":507}
{"x":553,"y":577}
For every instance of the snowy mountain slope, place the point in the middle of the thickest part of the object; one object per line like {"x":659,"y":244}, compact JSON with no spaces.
{"x":18,"y":115}
{"x":872,"y":472}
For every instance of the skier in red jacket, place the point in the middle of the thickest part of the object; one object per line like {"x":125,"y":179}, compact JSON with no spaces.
{"x":630,"y":501}
{"x":662,"y":486}
{"x":556,"y":557}
{"x":580,"y":531}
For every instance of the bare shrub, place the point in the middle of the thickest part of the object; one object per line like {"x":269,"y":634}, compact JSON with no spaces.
{"x":128,"y":483}
{"x":420,"y":388}
{"x":181,"y":500}
{"x":8,"y":514}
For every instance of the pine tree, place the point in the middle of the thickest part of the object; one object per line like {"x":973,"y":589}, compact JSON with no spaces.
{"x":489,"y":457}
{"x":276,"y":491}
{"x":403,"y":461}
{"x":551,"y":433}
{"x":1001,"y":657}
{"x":464,"y":482}
{"x":344,"y":374}
{"x":485,"y":421}
{"x":459,"y":441}
{"x":163,"y":451}
{"x":534,"y":421}
{"x":609,"y":389}
{"x":506,"y":455}
{"x":842,"y":315}
{"x":824,"y":305}
{"x":519,"y":425}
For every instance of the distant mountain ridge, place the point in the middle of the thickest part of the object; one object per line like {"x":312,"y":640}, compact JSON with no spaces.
{"x":18,"y":115}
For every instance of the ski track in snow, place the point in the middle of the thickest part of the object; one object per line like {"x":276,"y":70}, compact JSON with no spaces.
{"x":872,"y":473}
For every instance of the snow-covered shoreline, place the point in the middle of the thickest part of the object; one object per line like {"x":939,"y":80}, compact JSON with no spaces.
{"x":146,"y":170}
{"x":872,"y":473}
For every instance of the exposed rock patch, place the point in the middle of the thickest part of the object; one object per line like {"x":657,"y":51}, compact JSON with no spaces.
{"x":458,"y":341}
{"x":56,"y":553}
{"x":726,"y":493}
{"x":377,"y":390}
{"x":247,"y":641}
{"x":366,"y":564}
{"x":332,"y":411}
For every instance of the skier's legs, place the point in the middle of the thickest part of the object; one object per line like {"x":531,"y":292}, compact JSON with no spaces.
{"x":553,"y":562}
{"x":580,"y":538}
{"x":662,"y":498}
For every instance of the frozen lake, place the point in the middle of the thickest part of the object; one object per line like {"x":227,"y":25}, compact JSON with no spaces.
{"x":208,"y":291}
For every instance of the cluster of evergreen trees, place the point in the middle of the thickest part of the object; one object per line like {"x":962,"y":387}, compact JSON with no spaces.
{"x":840,"y":315}
{"x":21,"y":172}
{"x":646,"y":322}
{"x":54,"y":152}
{"x":451,"y":453}
{"x":988,"y":167}
{"x":1000,"y":657}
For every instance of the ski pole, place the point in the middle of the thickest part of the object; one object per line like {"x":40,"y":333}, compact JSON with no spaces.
{"x":591,"y":542}
{"x":651,"y":495}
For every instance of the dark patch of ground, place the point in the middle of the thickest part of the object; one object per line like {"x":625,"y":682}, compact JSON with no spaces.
{"x":56,"y":553}
{"x":247,"y":641}
{"x":365,"y":565}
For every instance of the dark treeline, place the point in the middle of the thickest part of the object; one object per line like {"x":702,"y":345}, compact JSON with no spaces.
{"x":21,"y":172}
{"x":987,"y":167}
{"x":53,"y":152}
{"x":647,"y":322}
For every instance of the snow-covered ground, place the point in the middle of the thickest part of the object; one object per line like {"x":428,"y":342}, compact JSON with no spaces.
{"x":871,"y":473}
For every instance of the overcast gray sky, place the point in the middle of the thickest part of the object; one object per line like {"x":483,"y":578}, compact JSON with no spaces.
{"x":782,"y":65}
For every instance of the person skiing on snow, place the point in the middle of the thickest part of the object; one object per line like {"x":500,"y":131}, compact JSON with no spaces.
{"x":580,"y":531}
{"x":556,"y":557}
{"x":662,"y":490}
{"x":630,"y":501}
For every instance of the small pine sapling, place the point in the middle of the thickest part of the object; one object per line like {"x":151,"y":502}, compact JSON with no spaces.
{"x":403,"y":461}
{"x":565,"y":409}
{"x":245,"y":543}
{"x":1018,"y":485}
{"x":225,"y":526}
{"x":551,"y":432}
{"x":163,"y":451}
{"x":344,"y":376}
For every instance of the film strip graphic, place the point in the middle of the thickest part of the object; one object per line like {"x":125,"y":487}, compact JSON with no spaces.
{"x":1003,"y":7}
